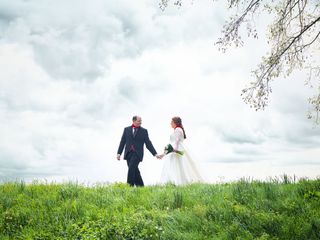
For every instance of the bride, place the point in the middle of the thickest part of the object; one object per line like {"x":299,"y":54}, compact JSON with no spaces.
{"x":178,"y":166}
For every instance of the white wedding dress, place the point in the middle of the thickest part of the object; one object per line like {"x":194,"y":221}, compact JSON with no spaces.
{"x":179,"y":169}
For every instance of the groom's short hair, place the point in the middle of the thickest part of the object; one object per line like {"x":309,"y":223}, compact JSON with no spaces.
{"x":134,"y":118}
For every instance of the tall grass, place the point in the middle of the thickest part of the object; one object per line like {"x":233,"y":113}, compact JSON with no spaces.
{"x":283,"y":208}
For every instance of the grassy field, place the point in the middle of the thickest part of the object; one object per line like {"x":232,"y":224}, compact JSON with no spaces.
{"x":279,"y":209}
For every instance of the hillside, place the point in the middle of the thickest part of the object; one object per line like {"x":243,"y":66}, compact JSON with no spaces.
{"x":279,"y":209}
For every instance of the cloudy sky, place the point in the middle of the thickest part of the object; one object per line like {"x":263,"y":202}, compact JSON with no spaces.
{"x":73,"y":73}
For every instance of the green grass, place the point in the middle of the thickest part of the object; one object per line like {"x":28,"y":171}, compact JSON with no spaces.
{"x":247,"y":209}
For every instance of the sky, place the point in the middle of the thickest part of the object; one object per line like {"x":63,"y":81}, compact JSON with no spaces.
{"x":73,"y":73}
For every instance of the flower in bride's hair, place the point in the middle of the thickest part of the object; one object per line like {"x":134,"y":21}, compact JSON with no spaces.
{"x":169,"y":149}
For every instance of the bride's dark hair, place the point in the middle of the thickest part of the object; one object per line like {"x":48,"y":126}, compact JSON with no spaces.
{"x":178,"y":122}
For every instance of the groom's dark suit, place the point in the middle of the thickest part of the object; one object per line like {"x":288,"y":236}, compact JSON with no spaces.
{"x":133,"y":152}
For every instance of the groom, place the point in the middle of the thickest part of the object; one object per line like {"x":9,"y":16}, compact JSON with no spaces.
{"x":133,"y":139}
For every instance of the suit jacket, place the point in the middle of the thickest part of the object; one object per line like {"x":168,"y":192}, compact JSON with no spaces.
{"x":137,"y":141}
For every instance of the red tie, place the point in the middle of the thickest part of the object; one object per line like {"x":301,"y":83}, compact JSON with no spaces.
{"x":135,"y":129}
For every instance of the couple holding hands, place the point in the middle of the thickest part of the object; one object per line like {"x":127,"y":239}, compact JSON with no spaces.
{"x":178,"y":167}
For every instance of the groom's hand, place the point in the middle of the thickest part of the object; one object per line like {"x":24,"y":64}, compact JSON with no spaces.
{"x":158,"y":156}
{"x":118,"y":157}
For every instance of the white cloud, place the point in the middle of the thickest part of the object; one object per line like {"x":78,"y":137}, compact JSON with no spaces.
{"x":74,"y":76}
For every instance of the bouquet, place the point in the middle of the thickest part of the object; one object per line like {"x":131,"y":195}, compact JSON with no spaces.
{"x":169,"y":149}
